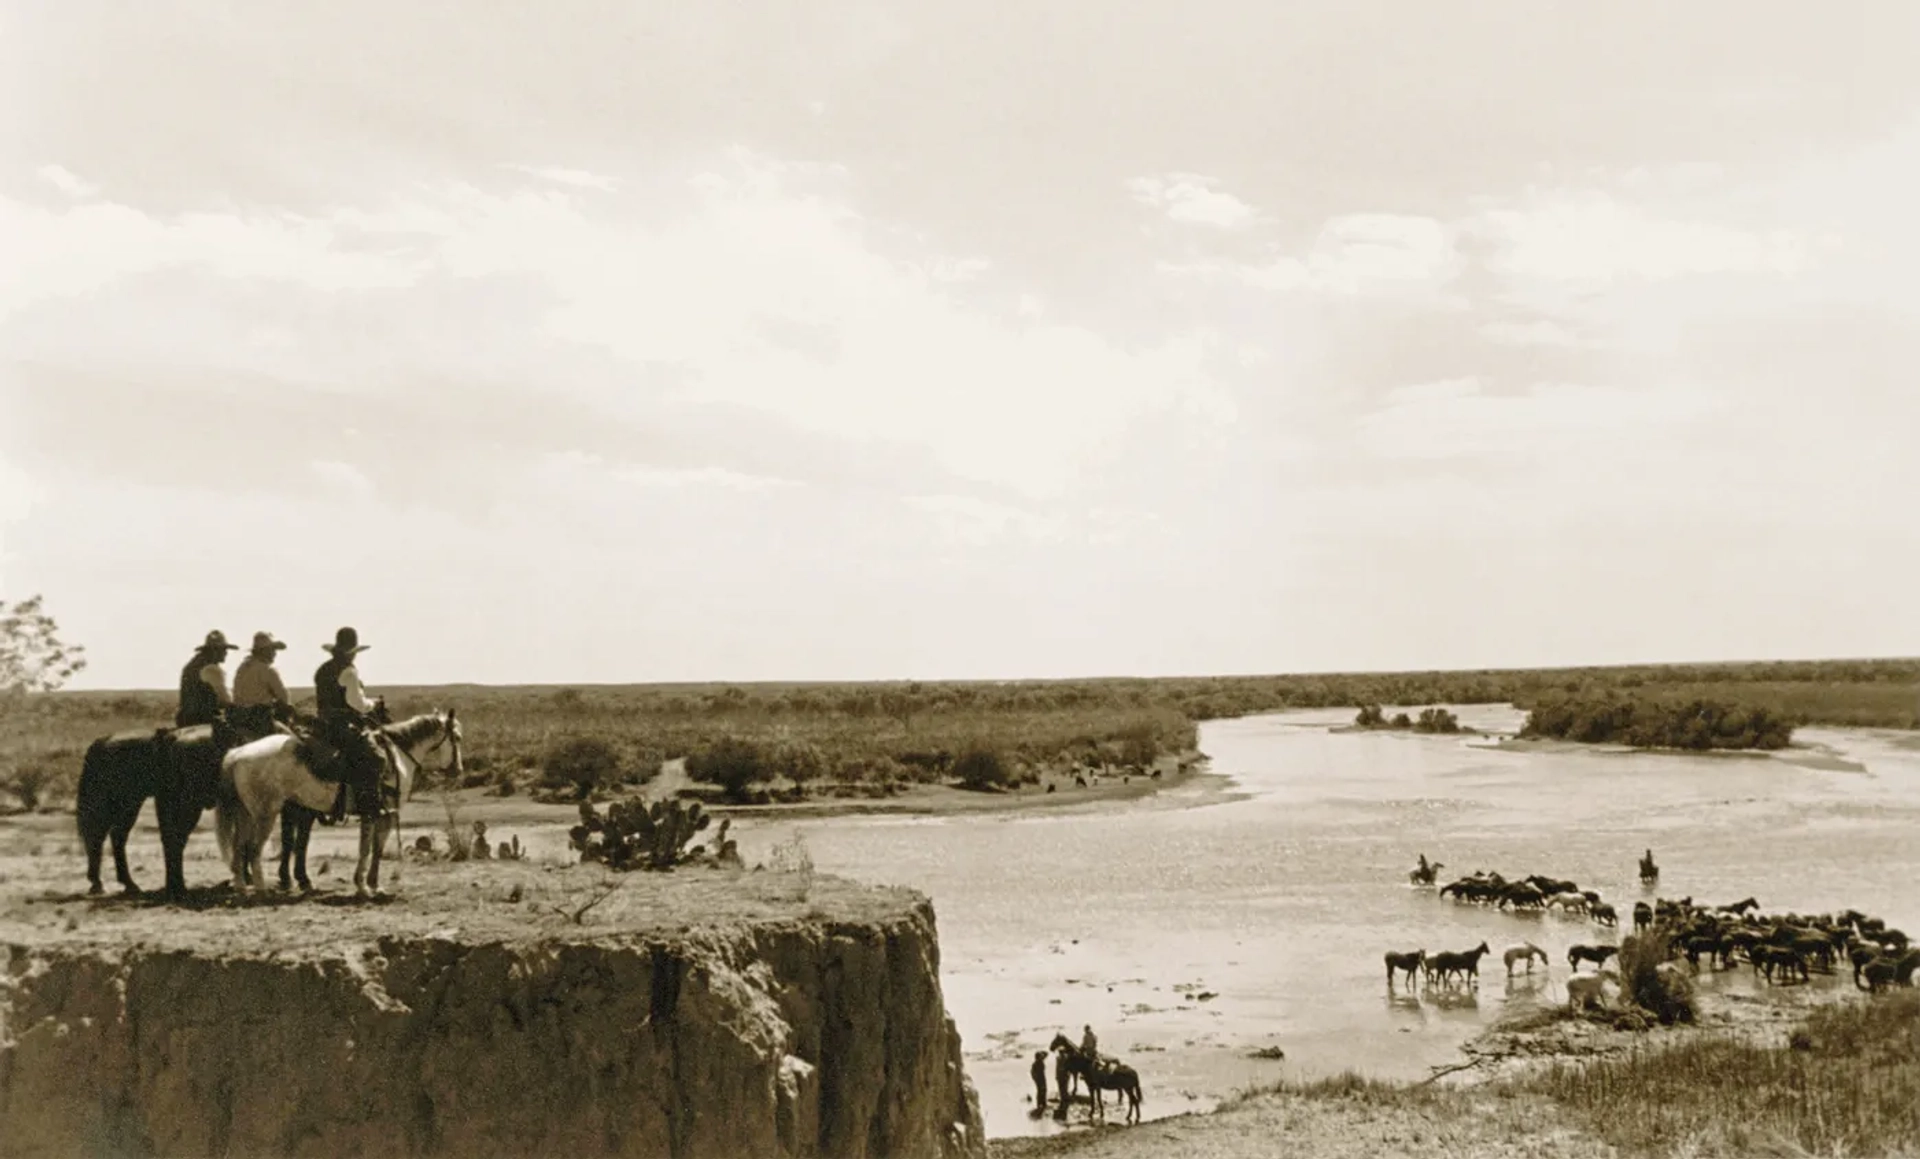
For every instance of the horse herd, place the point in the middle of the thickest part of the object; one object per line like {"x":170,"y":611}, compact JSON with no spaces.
{"x":250,"y":785}
{"x":1781,"y":948}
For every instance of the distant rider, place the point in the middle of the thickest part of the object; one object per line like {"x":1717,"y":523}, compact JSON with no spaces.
{"x":204,"y":698}
{"x":345,"y":719}
{"x":259,"y":695}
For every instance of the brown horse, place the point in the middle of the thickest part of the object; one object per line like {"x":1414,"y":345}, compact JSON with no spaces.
{"x":178,"y":767}
{"x":1411,"y":961}
{"x":1101,"y":1075}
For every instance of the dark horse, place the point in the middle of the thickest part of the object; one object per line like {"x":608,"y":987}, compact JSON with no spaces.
{"x":1101,"y":1076}
{"x":178,"y":768}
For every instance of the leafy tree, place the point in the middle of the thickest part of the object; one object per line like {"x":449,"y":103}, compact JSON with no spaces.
{"x":34,"y":660}
{"x":1370,"y":716}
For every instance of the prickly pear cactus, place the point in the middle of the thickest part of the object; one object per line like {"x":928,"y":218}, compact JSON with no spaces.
{"x":637,"y":835}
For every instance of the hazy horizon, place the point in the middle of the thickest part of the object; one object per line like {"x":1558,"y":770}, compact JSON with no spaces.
{"x":626,"y":343}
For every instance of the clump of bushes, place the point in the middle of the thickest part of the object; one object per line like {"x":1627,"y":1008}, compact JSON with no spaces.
{"x":1431,"y":720}
{"x":584,"y":763}
{"x":1666,"y":995}
{"x":733,"y":763}
{"x":982,"y":769}
{"x":1692,"y":724}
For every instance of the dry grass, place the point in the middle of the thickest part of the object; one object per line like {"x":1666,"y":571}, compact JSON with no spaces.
{"x":1849,"y":1085}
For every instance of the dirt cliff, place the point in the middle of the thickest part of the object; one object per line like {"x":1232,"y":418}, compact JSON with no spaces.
{"x":692,"y":1014}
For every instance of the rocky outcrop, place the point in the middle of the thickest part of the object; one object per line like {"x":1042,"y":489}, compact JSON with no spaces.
{"x":772,"y":1036}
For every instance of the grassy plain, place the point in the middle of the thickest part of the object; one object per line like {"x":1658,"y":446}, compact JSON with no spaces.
{"x":872,"y":739}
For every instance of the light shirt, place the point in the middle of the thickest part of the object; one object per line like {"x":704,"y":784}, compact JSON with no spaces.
{"x":215,"y":677}
{"x":257,"y":682}
{"x":356,"y":692}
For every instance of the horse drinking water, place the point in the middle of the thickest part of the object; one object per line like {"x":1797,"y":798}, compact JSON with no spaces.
{"x":258,"y":780}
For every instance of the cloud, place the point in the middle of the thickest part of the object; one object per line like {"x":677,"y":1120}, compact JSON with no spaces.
{"x":1354,"y":254}
{"x":578,"y":178}
{"x":80,"y":249}
{"x":1191,"y":199}
{"x":66,"y":182}
{"x":1593,"y":237}
{"x":1455,"y":419}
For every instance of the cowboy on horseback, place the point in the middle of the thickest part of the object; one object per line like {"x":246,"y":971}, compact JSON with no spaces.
{"x":259,"y":695}
{"x":346,"y":718}
{"x":204,"y":698}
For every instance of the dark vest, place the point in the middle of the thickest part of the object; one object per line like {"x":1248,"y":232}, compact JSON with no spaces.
{"x":329,"y":699}
{"x":198,"y":703}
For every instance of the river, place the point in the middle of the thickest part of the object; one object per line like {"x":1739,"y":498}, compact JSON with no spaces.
{"x":1252,"y":909}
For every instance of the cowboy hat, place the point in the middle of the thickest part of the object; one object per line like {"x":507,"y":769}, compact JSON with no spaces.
{"x":264,"y":642}
{"x":345,"y":640}
{"x":217,"y":639}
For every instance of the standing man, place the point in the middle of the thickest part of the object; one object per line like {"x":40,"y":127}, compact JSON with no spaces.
{"x":259,"y":695}
{"x":340,"y":702}
{"x":203,"y":683}
{"x":1039,"y":1073}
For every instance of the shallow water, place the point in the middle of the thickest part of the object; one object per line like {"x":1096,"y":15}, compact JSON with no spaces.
{"x":1279,"y":897}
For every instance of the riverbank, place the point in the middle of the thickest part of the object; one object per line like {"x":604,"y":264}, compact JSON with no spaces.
{"x":1795,"y":1071}
{"x":1054,"y":791}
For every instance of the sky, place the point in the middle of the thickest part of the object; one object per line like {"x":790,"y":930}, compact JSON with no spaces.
{"x":602,"y":342}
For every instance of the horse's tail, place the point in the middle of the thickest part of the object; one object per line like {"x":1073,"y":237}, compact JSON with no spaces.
{"x":92,"y":806}
{"x":226,"y":825}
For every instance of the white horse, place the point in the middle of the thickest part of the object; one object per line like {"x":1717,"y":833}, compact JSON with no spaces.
{"x":261,"y":777}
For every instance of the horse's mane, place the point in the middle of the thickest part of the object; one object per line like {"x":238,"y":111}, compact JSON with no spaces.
{"x":414,"y":729}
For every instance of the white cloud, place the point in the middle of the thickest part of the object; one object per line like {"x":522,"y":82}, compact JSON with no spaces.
{"x":891,"y":354}
{"x":1191,"y":199}
{"x":1595,"y":238}
{"x":578,"y":178}
{"x":680,"y":479}
{"x":1353,"y":254}
{"x":1454,"y":419}
{"x":58,"y":177}
{"x":344,"y":479}
{"x":84,"y":248}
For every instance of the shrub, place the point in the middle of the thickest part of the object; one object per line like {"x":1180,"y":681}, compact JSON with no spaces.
{"x":1436,"y":720}
{"x":1370,"y":716}
{"x":1139,"y":746}
{"x":1402,"y":720}
{"x":799,"y":761}
{"x":1667,"y":996}
{"x":584,"y":762}
{"x":982,"y":768}
{"x":732,"y":763}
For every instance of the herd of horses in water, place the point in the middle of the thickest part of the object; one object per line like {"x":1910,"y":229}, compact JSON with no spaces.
{"x":1781,"y":948}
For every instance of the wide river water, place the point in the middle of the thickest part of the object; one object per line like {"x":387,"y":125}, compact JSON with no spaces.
{"x":1252,"y":909}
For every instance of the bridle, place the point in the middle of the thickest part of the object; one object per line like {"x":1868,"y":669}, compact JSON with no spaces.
{"x":447,"y":736}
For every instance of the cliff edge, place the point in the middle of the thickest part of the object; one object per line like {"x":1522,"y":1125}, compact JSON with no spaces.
{"x":700,"y":1013}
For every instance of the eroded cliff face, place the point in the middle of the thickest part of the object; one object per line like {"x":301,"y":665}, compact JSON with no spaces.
{"x":762,"y":1037}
